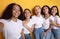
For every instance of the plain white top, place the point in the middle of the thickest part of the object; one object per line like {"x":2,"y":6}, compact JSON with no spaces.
{"x":56,"y":20}
{"x":38,"y":21}
{"x":12,"y":30}
{"x":46,"y":23}
{"x":30,"y":23}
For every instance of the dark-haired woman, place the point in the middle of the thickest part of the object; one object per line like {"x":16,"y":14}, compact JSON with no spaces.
{"x":48,"y":19}
{"x":56,"y":28}
{"x":28,"y":25}
{"x":10,"y":18}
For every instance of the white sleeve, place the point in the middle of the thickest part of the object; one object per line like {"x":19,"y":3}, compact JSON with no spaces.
{"x":33,"y":19}
{"x":52,"y":18}
{"x":2,"y":21}
{"x":5,"y":31}
{"x":58,"y":20}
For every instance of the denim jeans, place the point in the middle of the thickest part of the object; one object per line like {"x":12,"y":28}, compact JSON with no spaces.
{"x":55,"y":33}
{"x":27,"y":36}
{"x":48,"y":36}
{"x":38,"y":33}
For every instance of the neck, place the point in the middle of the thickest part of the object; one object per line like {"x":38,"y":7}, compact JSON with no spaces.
{"x":38,"y":15}
{"x":53,"y":14}
{"x":14,"y":19}
{"x":47,"y":15}
{"x":27,"y":19}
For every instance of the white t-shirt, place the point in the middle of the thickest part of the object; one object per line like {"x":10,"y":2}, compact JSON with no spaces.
{"x":56,"y":20}
{"x":3,"y":21}
{"x":38,"y":21}
{"x":46,"y":23}
{"x":12,"y":29}
{"x":30,"y":23}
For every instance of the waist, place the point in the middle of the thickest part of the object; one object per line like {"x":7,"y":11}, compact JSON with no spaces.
{"x":55,"y":27}
{"x":46,"y":27}
{"x":38,"y":26}
{"x":26,"y":32}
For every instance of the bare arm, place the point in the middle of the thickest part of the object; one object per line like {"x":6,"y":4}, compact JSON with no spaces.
{"x":33,"y":26}
{"x":1,"y":26}
{"x":22,"y":34}
{"x":57,"y":25}
{"x":27,"y":27}
{"x":51,"y":25}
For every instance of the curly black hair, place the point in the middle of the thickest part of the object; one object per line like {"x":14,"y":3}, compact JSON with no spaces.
{"x":7,"y":13}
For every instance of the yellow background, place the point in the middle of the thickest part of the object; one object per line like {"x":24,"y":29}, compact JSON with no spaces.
{"x":27,"y":4}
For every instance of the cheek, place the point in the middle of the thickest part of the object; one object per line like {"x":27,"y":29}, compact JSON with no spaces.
{"x":13,"y":11}
{"x":54,"y":11}
{"x":19,"y":13}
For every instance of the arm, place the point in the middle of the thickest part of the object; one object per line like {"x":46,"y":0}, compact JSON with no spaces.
{"x":22,"y":34}
{"x":27,"y":27}
{"x":33,"y":26}
{"x":51,"y":26}
{"x":1,"y":27}
{"x":57,"y":25}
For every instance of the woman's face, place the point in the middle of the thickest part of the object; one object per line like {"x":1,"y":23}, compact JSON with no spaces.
{"x":27,"y":14}
{"x":37,"y":10}
{"x":16,"y":11}
{"x":54,"y":10}
{"x":45,"y":10}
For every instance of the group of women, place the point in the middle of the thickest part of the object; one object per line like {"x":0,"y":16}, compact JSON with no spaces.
{"x":45,"y":22}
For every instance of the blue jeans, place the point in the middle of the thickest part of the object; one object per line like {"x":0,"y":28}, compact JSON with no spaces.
{"x":48,"y":36}
{"x":55,"y":33}
{"x":38,"y":33}
{"x":27,"y":36}
{"x":20,"y":38}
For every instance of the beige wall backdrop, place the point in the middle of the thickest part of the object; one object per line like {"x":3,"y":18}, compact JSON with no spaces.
{"x":27,"y":4}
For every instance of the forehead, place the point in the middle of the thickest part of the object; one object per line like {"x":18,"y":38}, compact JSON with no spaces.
{"x":16,"y":6}
{"x":36,"y":7}
{"x":54,"y":8}
{"x":45,"y":7}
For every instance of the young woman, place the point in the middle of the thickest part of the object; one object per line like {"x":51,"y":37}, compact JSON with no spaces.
{"x":48,"y":19}
{"x":56,"y":28}
{"x":27,"y":24}
{"x":38,"y":21}
{"x":10,"y":18}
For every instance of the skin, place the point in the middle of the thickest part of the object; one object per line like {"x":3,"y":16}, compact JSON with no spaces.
{"x":54,"y":11}
{"x":37,"y":11}
{"x":1,"y":27}
{"x":15,"y":13}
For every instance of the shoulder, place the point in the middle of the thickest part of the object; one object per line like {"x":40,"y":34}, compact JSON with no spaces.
{"x":34,"y":16}
{"x":3,"y":20}
{"x":19,"y":20}
{"x":57,"y":16}
{"x":51,"y":18}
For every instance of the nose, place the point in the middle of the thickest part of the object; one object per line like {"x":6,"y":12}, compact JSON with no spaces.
{"x":16,"y":11}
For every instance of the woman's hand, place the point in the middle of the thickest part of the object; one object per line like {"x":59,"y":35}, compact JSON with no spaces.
{"x":44,"y":33}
